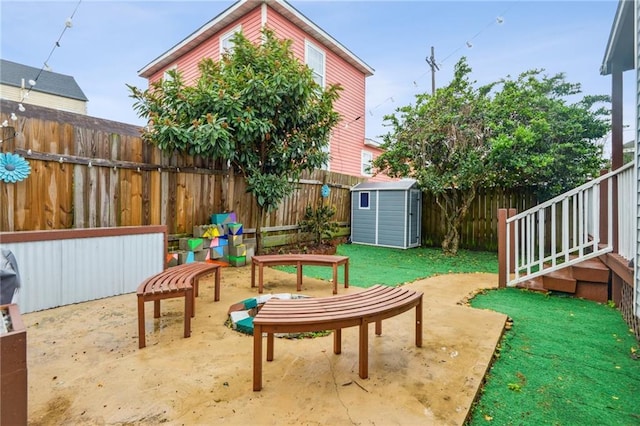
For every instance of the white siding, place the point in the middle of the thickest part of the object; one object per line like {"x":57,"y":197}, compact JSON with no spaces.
{"x":637,"y":259}
{"x":61,"y":272}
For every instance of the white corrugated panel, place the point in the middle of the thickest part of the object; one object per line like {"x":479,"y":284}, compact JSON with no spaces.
{"x":61,"y":272}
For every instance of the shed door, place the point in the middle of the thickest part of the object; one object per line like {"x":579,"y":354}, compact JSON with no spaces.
{"x":414,"y":218}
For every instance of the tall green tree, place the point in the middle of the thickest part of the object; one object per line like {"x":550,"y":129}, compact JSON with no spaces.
{"x":258,"y":108}
{"x":441,"y":141}
{"x":542,"y":141}
{"x":521,"y":133}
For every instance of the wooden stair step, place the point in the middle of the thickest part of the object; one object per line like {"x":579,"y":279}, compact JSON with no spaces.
{"x":534,"y":284}
{"x":561,"y":280}
{"x":591,"y":270}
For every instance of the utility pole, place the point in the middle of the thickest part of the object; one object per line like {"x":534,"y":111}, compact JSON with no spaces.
{"x":434,"y":67}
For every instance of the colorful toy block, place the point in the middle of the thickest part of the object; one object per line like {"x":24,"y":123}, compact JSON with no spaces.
{"x":237,"y":260}
{"x":219,"y":218}
{"x":202,"y":255}
{"x":239,"y":250}
{"x":172,"y":259}
{"x":234,"y":240}
{"x":191,"y":244}
{"x":235,"y":228}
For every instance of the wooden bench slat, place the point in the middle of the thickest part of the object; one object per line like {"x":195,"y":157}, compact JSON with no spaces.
{"x":299,"y":261}
{"x":333,"y":313}
{"x":177,"y":281}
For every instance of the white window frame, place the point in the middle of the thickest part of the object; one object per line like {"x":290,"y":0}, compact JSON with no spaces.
{"x":166,"y":76}
{"x":225,"y":40}
{"x":366,"y":163}
{"x":318,"y":74}
{"x":368,"y":206}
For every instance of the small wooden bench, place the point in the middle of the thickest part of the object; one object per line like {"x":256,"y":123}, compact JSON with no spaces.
{"x":299,"y":260}
{"x":333,"y":313}
{"x":176,"y":281}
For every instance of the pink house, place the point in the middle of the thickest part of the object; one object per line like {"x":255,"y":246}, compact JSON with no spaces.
{"x":350,"y":152}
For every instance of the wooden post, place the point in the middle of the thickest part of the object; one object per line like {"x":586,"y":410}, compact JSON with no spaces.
{"x":502,"y":248}
{"x":503,"y":215}
{"x":512,"y":242}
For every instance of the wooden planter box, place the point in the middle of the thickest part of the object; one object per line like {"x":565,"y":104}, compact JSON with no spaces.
{"x":13,"y":367}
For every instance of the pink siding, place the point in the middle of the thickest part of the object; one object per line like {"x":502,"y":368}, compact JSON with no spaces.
{"x":188,"y":63}
{"x":347,"y":142}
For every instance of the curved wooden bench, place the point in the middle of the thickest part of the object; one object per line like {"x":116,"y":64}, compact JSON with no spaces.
{"x":177,"y":281}
{"x":299,"y":260}
{"x":333,"y":313}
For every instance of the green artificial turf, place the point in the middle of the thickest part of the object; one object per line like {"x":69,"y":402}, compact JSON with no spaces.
{"x":565,"y":361}
{"x":369,"y":265}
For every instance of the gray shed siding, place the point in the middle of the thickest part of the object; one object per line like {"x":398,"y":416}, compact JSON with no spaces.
{"x":363,"y":221}
{"x":392,"y":224}
{"x":393,"y":216}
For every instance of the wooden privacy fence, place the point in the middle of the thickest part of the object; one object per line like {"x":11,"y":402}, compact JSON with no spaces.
{"x":479,"y":231}
{"x":93,"y":173}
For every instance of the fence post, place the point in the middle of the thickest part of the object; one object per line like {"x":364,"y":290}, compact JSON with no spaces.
{"x":503,"y":215}
{"x":512,"y":242}
{"x":502,"y":248}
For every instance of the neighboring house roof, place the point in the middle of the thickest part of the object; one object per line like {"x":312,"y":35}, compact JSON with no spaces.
{"x":236,"y":11}
{"x":620,"y":51}
{"x":403,"y":185}
{"x":12,"y":74}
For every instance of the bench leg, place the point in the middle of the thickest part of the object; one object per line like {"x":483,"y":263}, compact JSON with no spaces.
{"x":299,"y":277}
{"x":269,"y":346}
{"x":378,"y":327}
{"x":260,"y":279}
{"x":141,"y":328}
{"x":188,"y":311}
{"x":253,"y":274}
{"x":337,"y":341}
{"x":363,"y":350}
{"x":335,"y":278}
{"x":346,"y":274}
{"x":419,"y":324}
{"x":217,"y":285}
{"x":257,"y":357}
{"x":156,"y":308}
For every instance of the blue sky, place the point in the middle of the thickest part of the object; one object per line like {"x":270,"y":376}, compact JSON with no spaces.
{"x":110,"y":41}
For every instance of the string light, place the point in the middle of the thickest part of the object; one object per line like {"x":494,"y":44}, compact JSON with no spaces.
{"x":45,"y":67}
{"x":499,"y":20}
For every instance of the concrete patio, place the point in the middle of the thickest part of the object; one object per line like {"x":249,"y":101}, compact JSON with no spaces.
{"x":84,"y":365}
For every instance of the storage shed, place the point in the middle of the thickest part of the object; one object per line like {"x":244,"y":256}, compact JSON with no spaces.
{"x":386,"y":214}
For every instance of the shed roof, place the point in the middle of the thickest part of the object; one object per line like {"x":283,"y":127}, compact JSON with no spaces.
{"x":53,"y":83}
{"x":239,"y":9}
{"x":400,"y":185}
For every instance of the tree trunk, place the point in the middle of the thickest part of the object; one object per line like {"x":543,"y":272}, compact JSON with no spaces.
{"x":454,"y":206}
{"x":259,"y":230}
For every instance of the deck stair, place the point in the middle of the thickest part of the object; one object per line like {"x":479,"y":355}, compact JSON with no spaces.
{"x":588,"y":279}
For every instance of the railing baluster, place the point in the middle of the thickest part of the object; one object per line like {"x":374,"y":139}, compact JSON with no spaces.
{"x":574,"y":226}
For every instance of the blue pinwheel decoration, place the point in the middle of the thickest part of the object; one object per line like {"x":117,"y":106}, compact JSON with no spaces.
{"x":324,"y":191}
{"x":13,"y":168}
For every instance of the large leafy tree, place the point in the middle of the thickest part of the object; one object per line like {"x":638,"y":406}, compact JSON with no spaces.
{"x":441,"y":141}
{"x":258,"y":108}
{"x":543,"y":142}
{"x":519,"y":133}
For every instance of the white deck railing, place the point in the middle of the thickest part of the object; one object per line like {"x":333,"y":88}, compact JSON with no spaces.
{"x":567,"y":229}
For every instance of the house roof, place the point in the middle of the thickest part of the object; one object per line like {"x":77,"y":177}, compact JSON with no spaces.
{"x":13,"y":73}
{"x":236,"y":11}
{"x":401,"y":185}
{"x":619,"y":54}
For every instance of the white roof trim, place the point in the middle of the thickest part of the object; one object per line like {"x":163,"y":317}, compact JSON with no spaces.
{"x":236,"y":11}
{"x":614,"y":35}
